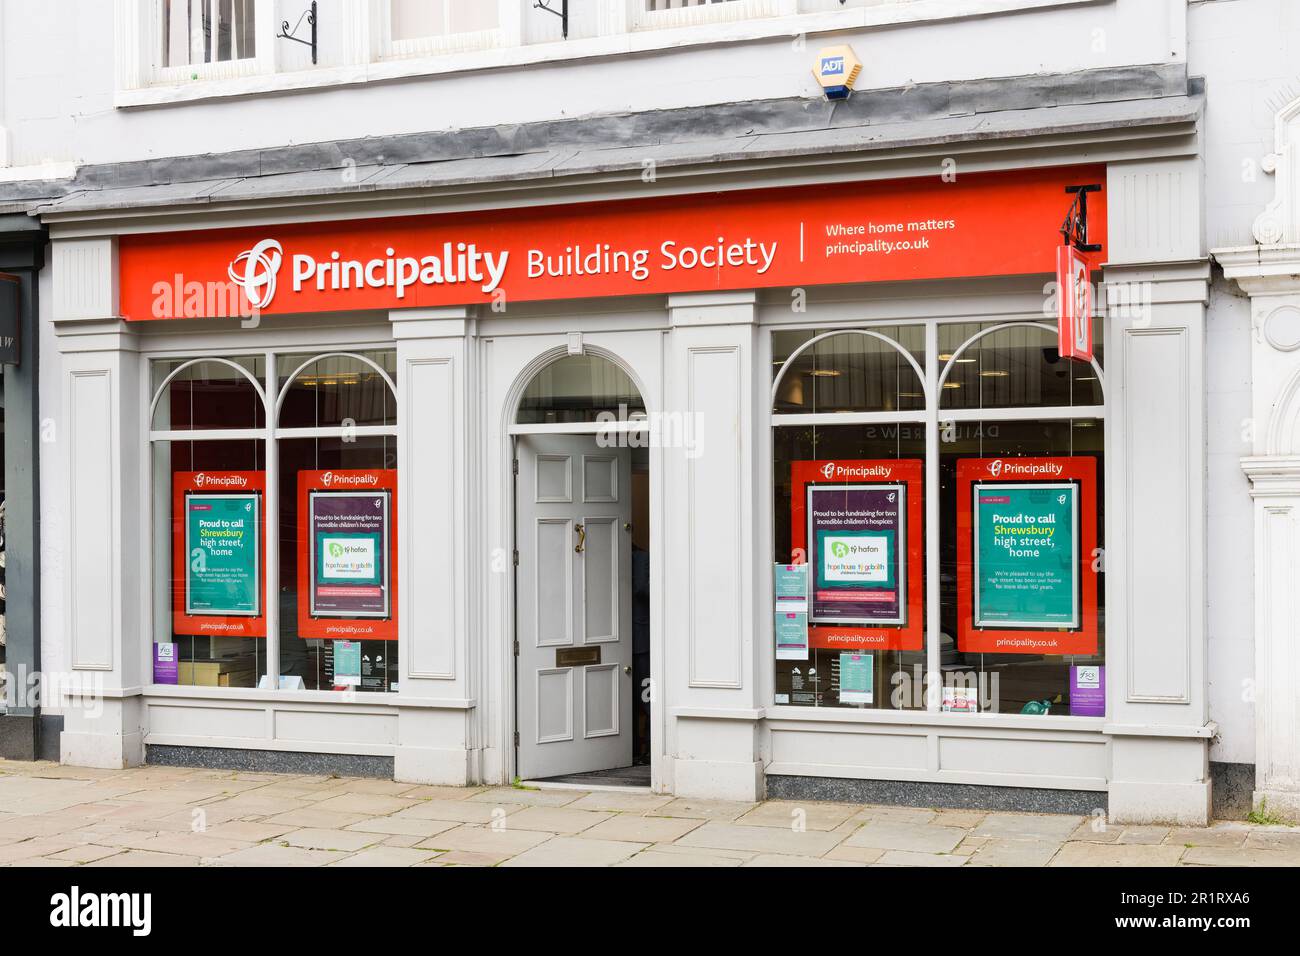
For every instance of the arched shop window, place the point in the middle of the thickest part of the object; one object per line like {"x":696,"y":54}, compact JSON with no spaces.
{"x":303,"y":511}
{"x":938,"y":520}
{"x":208,"y":449}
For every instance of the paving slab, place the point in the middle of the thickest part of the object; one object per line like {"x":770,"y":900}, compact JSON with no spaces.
{"x":556,"y":819}
{"x":315,"y":839}
{"x":528,"y":798}
{"x":576,"y":851}
{"x":1147,"y":834}
{"x":808,"y":814}
{"x":1114,"y":855}
{"x":322,"y":819}
{"x":1243,"y":856}
{"x":461,"y":811}
{"x":734,"y":836}
{"x":273,"y":854}
{"x":404,"y":826}
{"x":782,"y":859}
{"x":621,"y":801}
{"x":1028,"y":826}
{"x":638,"y":829}
{"x":134,"y":858}
{"x":85,"y":854}
{"x":855,"y":854}
{"x":1229,"y":836}
{"x":498,"y":844}
{"x":1001,"y":852}
{"x":657,"y":858}
{"x":912,"y":858}
{"x":387,"y":856}
{"x":1269,"y":839}
{"x":702,"y":809}
{"x":371,"y":804}
{"x":918,"y":837}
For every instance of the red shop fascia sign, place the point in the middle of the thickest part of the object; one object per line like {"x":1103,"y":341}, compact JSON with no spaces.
{"x":983,"y":224}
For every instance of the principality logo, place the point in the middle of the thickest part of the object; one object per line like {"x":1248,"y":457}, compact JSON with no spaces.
{"x":255,"y":271}
{"x":329,"y":479}
{"x":828,"y":470}
{"x":202,"y":480}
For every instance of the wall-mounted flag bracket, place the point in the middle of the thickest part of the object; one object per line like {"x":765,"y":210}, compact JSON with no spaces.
{"x":1074,"y":231}
{"x":286,"y":34}
{"x":562,"y":13}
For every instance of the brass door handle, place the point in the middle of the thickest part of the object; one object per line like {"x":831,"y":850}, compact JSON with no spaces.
{"x":627,"y":669}
{"x":581,"y":546}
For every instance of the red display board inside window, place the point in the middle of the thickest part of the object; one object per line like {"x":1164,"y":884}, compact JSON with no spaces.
{"x":859,"y":525}
{"x":1027,"y":543}
{"x":219,"y":553}
{"x":347,"y":554}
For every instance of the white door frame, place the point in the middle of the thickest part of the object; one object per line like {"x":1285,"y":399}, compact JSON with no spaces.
{"x":508,"y":434}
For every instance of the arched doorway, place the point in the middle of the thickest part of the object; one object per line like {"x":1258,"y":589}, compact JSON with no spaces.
{"x":582,"y":565}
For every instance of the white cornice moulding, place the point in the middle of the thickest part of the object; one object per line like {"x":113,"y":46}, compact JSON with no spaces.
{"x":1273,"y":476}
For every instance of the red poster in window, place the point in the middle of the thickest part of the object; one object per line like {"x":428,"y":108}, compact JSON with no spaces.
{"x":347,"y":554}
{"x":859,"y":524}
{"x":1026,"y":540}
{"x":219,"y":553}
{"x":1074,"y":304}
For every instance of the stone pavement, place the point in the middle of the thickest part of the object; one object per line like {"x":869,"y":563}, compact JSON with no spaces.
{"x":166,"y":816}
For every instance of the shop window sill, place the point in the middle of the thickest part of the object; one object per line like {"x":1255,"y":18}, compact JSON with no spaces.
{"x":254,"y":695}
{"x":925,"y":718}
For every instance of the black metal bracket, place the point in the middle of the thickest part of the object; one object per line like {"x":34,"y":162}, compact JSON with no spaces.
{"x":562,"y":13}
{"x":1074,"y":231}
{"x":286,"y":34}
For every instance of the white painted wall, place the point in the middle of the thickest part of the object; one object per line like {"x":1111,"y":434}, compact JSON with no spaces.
{"x":60,"y":67}
{"x":1247,"y":51}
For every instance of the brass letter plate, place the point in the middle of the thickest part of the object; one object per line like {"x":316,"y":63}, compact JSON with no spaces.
{"x":577,"y":656}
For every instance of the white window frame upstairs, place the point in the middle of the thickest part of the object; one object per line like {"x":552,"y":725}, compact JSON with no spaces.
{"x":261,"y":62}
{"x":506,"y":33}
{"x":712,"y":11}
{"x":366,"y":53}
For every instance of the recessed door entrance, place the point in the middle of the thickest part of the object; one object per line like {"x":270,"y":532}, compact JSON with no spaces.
{"x":574,"y":669}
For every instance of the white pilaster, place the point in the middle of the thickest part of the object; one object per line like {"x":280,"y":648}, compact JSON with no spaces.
{"x":1157,"y":284}
{"x":714,"y":576}
{"x":100,"y":451}
{"x":436,"y":557}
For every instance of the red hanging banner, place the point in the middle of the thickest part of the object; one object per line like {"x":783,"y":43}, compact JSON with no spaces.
{"x":1074,"y":305}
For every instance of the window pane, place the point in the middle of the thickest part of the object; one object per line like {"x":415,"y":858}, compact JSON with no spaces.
{"x":578,"y":388}
{"x":208,"y":31}
{"x":1015,"y":367}
{"x":209,"y":550}
{"x":415,"y":19}
{"x":209,"y":395}
{"x":338,"y":391}
{"x":338,"y":573}
{"x":842,"y":668}
{"x":1026,"y":597}
{"x":849,"y":371}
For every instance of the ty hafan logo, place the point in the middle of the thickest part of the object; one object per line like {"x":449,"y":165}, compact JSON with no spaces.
{"x":255,"y":270}
{"x":76,"y":909}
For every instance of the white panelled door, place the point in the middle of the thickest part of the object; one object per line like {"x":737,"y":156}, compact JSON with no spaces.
{"x":573,"y":672}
